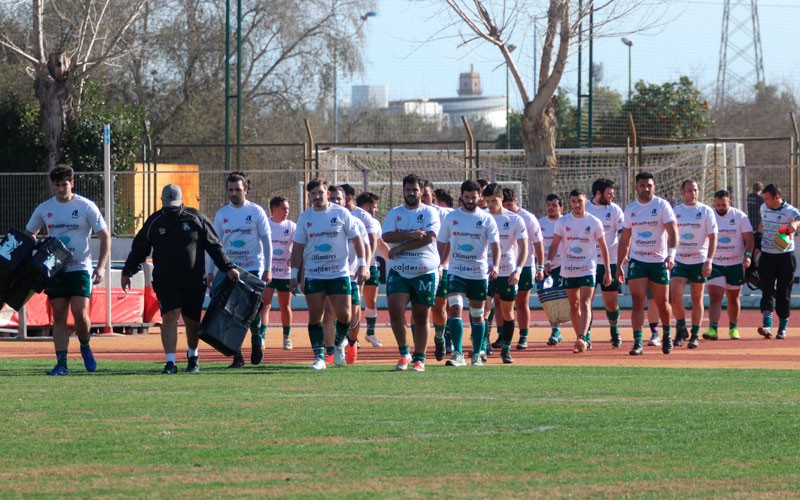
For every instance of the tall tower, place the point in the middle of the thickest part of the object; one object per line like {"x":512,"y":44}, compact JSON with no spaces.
{"x":741,"y":59}
{"x":469,"y":84}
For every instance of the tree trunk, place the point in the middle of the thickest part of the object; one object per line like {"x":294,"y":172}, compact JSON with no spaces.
{"x":539,"y":140}
{"x":53,"y":98}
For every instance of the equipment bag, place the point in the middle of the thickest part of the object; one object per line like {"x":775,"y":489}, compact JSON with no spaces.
{"x":14,"y":247}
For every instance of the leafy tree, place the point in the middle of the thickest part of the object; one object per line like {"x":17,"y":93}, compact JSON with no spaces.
{"x":20,"y":144}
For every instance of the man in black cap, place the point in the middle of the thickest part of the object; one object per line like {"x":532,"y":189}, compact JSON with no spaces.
{"x":179,"y":236}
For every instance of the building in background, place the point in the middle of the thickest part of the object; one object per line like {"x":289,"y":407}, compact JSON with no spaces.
{"x":370,"y":96}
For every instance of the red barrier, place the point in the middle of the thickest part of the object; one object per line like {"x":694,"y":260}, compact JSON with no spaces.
{"x":37,"y":311}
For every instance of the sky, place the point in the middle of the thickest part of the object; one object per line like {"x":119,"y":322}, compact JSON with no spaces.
{"x":407,"y":50}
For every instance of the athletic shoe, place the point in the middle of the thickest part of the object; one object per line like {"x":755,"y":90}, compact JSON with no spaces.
{"x":579,"y":347}
{"x":616,"y":341}
{"x":372,"y":339}
{"x":402,"y":363}
{"x":419,"y":366}
{"x":781,"y":335}
{"x":637,"y":350}
{"x":257,"y":354}
{"x":711,"y":334}
{"x":654,"y":342}
{"x":734,"y":333}
{"x":329,"y":359}
{"x":506,"y":357}
{"x":554,"y":339}
{"x":58,"y":371}
{"x":498,"y":344}
{"x":588,"y":344}
{"x":484,"y":356}
{"x":319,"y":364}
{"x":338,"y":355}
{"x":522,"y":344}
{"x":476,"y":360}
{"x":351,"y":353}
{"x":287,"y":344}
{"x":765,"y":332}
{"x":88,"y":360}
{"x":193,"y":366}
{"x":456,"y":360}
{"x":438,"y":350}
{"x":681,"y":334}
{"x":170,"y":368}
{"x":238,"y":362}
{"x":449,"y":348}
{"x":694,"y":342}
{"x":666,"y":344}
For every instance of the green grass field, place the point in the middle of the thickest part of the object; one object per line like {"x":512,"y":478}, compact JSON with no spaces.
{"x":367,"y":431}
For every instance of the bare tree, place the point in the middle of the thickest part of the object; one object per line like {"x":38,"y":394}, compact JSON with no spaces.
{"x":67,"y":41}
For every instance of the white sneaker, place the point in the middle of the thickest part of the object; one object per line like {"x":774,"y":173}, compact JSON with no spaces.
{"x":476,"y":360}
{"x":319,"y":364}
{"x":287,"y":344}
{"x":338,"y":354}
{"x":402,"y":363}
{"x":456,"y":360}
{"x":654,"y":342}
{"x":372,"y":339}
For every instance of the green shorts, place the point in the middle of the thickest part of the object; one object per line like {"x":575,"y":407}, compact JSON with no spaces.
{"x":473,"y":289}
{"x":441,"y":289}
{"x":71,"y":284}
{"x":653,"y":271}
{"x":526,"y":278}
{"x":280,"y":285}
{"x":355,"y":294}
{"x":726,"y":275}
{"x":578,"y":282}
{"x":601,"y":274}
{"x":692,"y":272}
{"x":502,"y":289}
{"x":374,"y":277}
{"x":420,"y":289}
{"x":333,"y":286}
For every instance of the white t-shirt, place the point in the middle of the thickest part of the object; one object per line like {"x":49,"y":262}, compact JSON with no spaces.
{"x":730,"y":243}
{"x":548,"y":227}
{"x":511,"y":228}
{"x":534,"y":234}
{"x":352,"y":261}
{"x":612,"y":218}
{"x":695,"y":224}
{"x":772,"y":221}
{"x":420,"y":261}
{"x":282,"y":242}
{"x":325,"y":234}
{"x":469,"y":235}
{"x":373,"y":227}
{"x":245,"y":235}
{"x":443,"y":211}
{"x":648,"y":236}
{"x":579,"y":248}
{"x":71,"y":222}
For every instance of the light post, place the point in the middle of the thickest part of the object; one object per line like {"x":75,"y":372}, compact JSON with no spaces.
{"x":364,"y":18}
{"x":629,"y":43}
{"x":511,"y":48}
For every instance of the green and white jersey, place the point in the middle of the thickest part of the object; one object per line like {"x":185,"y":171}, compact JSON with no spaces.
{"x":534,"y":235}
{"x":580,"y":237}
{"x":469,"y":235}
{"x":245,"y":234}
{"x":282,"y":242}
{"x":772,"y":221}
{"x":730,"y":242}
{"x":548,"y":229}
{"x":352,"y":261}
{"x":695,"y":224}
{"x":648,"y":236}
{"x":443,"y":211}
{"x":511,"y":228}
{"x":420,"y":261}
{"x":72,"y":222}
{"x":325,"y":234}
{"x":612,"y":218}
{"x":373,"y":227}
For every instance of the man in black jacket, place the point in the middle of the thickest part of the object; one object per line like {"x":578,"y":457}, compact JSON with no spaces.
{"x":179,"y":237}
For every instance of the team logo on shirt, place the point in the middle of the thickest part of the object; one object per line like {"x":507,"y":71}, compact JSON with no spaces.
{"x":645,"y":234}
{"x":74,"y":214}
{"x":608,"y":215}
{"x":588,"y":230}
{"x":49,"y":214}
{"x":162,"y":231}
{"x":576,"y":250}
{"x":334,"y":221}
{"x":479,"y":223}
{"x":732,"y":222}
{"x":237,"y":243}
{"x":506,"y":225}
{"x":248,"y":219}
{"x":225,"y":220}
{"x":286,"y":232}
{"x":186,"y":227}
{"x":419,"y":218}
{"x":724,"y":239}
{"x":654,"y":211}
{"x":698,"y":215}
{"x":687,"y":236}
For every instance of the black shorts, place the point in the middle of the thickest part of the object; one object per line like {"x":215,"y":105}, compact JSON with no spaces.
{"x":188,"y":298}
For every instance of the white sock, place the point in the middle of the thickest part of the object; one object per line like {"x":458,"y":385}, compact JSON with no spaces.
{"x":170,"y":357}
{"x":191,"y":353}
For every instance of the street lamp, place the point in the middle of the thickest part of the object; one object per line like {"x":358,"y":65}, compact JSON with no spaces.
{"x":511,"y":48}
{"x":364,"y":18}
{"x":629,"y":43}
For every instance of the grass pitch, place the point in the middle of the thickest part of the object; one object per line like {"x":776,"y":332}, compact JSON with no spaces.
{"x":367,"y":431}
